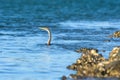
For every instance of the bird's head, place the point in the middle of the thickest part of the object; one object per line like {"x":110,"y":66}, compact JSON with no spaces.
{"x":44,"y":28}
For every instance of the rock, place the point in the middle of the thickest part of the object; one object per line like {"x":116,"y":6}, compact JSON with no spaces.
{"x":64,"y":78}
{"x":113,"y":69}
{"x":115,"y":54}
{"x":93,"y":64}
{"x":115,"y":34}
{"x":82,"y":50}
{"x":87,"y":63}
{"x":86,"y":50}
{"x":73,"y":67}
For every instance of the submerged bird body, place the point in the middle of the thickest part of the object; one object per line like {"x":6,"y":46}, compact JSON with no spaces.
{"x":49,"y":34}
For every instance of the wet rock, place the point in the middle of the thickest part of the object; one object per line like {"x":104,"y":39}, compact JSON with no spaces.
{"x":115,"y":54}
{"x":115,"y":34}
{"x":87,"y":63}
{"x":73,"y":66}
{"x":113,"y":69}
{"x":64,"y":78}
{"x":82,"y":50}
{"x":93,"y":64}
{"x":86,"y":50}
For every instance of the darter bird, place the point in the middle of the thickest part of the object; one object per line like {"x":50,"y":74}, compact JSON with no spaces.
{"x":49,"y":34}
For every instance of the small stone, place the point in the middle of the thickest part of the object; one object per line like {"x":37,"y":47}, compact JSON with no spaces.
{"x":64,"y":78}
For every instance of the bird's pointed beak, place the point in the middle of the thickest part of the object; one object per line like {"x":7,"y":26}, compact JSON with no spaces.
{"x":41,"y":28}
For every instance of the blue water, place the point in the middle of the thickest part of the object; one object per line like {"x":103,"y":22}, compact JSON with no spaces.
{"x":24,"y":54}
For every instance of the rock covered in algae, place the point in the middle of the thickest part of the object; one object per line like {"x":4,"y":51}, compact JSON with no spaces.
{"x":113,"y":69}
{"x":116,"y":34}
{"x":92,"y":64}
{"x":115,"y":54}
{"x":86,"y":50}
{"x":88,"y":62}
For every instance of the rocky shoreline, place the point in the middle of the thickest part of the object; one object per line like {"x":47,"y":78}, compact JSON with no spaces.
{"x":116,"y":34}
{"x":93,"y":65}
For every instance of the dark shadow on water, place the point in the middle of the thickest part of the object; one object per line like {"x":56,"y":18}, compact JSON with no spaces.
{"x":56,"y":47}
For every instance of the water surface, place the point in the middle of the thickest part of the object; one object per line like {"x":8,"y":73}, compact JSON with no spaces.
{"x":74,"y":24}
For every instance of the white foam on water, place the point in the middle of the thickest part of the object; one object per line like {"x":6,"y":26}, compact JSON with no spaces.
{"x":90,"y":24}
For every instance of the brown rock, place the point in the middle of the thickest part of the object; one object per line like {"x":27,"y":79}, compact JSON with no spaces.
{"x":115,"y":54}
{"x":92,"y":64}
{"x":113,"y":69}
{"x":115,"y":34}
{"x":64,"y":78}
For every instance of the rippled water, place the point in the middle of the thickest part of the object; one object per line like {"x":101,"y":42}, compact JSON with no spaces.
{"x":24,"y":53}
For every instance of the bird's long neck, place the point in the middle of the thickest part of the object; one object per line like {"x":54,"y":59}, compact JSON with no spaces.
{"x":50,"y":37}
